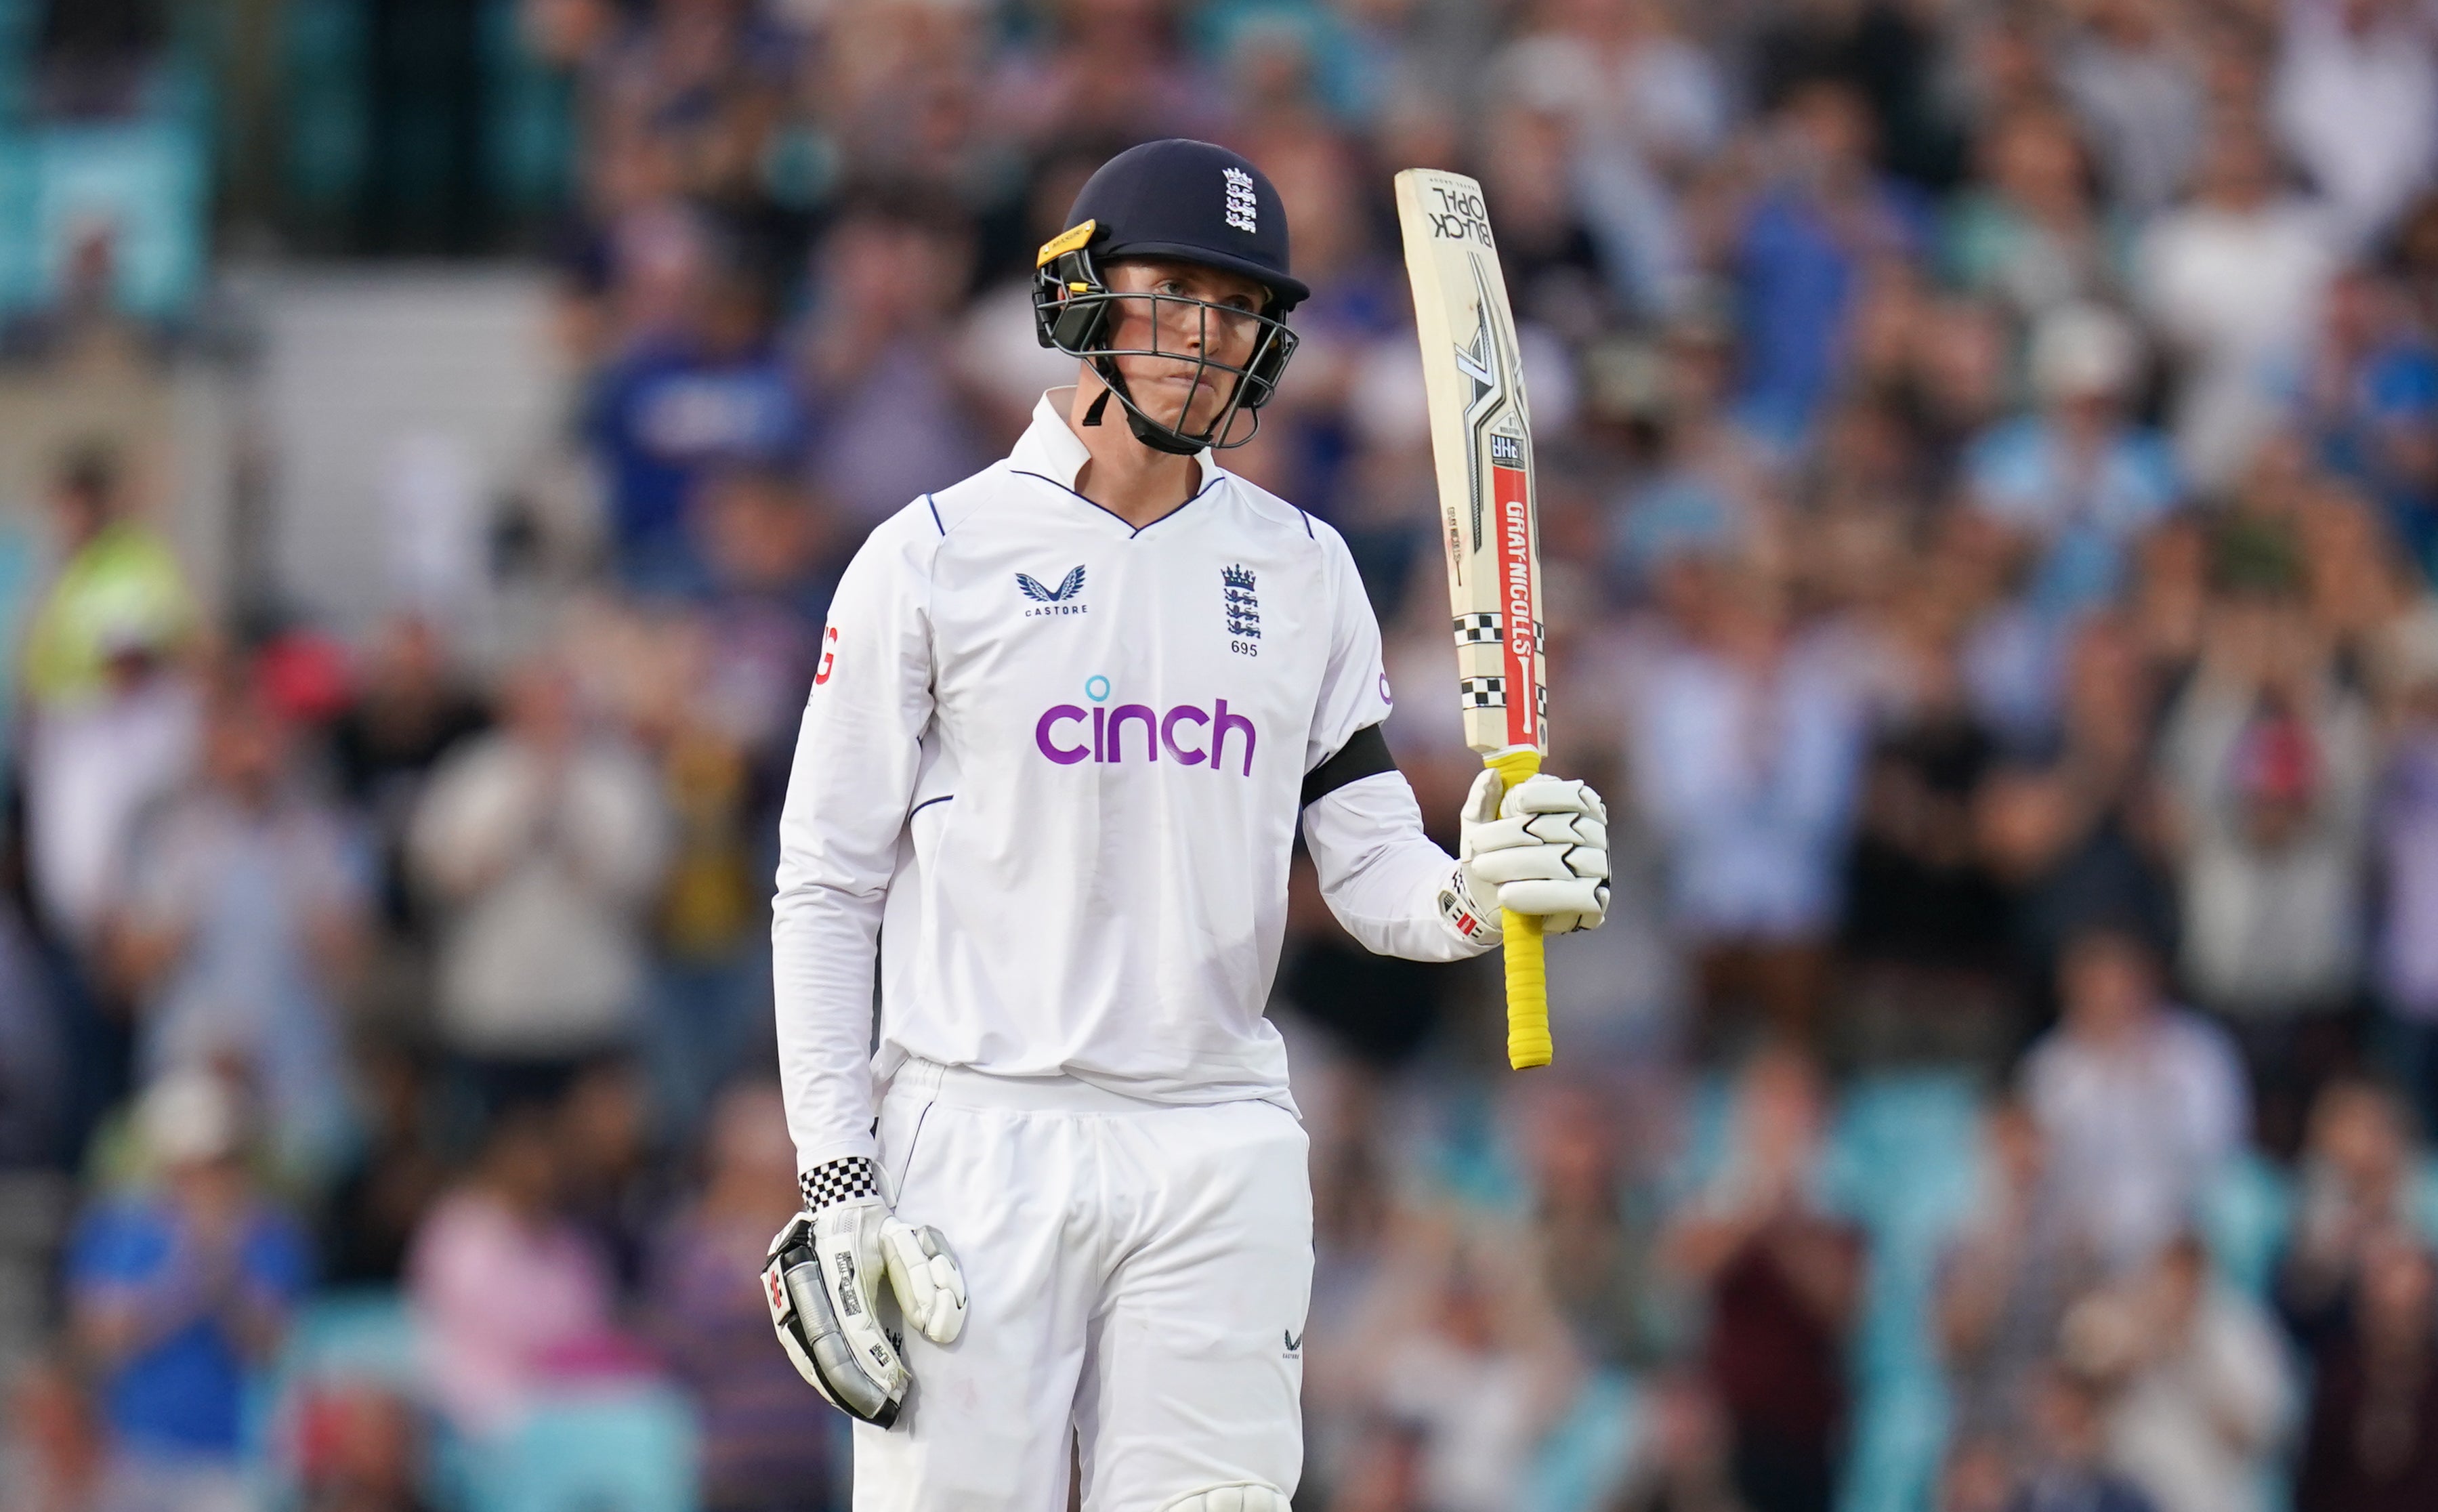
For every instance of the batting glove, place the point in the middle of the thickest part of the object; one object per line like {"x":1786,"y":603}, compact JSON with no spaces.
{"x":821,"y":1280}
{"x":1540,"y":848}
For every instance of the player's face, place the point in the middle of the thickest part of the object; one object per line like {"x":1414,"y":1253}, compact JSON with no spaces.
{"x":1201,"y":315}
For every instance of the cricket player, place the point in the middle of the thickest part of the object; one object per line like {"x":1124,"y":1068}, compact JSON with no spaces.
{"x":1068,"y":715}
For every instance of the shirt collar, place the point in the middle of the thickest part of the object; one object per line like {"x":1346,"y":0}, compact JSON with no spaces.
{"x":1050,"y":447}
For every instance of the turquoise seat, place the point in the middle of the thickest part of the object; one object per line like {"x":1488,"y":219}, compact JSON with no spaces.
{"x":1587,"y":1455}
{"x":1903,"y":1161}
{"x":2245,"y":1214}
{"x":147,"y":181}
{"x":21,"y":282}
{"x":617,"y":1448}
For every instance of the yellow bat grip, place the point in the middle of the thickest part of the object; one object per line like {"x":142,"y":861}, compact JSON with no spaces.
{"x":1527,"y":978}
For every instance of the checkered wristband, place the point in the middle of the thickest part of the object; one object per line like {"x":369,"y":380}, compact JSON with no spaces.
{"x":836,"y":1181}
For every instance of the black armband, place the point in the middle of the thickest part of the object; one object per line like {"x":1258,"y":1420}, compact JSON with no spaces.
{"x":1365,"y":755}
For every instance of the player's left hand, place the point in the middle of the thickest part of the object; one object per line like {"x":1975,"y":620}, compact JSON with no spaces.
{"x":1540,"y":848}
{"x":822,"y":1280}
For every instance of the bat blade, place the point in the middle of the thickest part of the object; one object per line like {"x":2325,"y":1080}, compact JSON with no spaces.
{"x":1481,"y":446}
{"x":1482,"y":442}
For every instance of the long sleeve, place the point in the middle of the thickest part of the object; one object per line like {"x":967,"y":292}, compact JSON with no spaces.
{"x":1379,"y":872}
{"x":1380,"y":875}
{"x":857,"y":756}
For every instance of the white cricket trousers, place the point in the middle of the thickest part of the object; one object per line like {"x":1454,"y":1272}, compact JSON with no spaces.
{"x":1138,"y":1275}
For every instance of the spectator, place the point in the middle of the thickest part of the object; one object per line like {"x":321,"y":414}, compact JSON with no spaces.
{"x":889,"y":421}
{"x":674,"y":407}
{"x":1594,"y":1241}
{"x":2406,"y":850}
{"x":1924,"y":938}
{"x":1784,"y":1284}
{"x":242,"y":928}
{"x":2200,"y":1393}
{"x":51,"y":1457}
{"x":2370,"y":400}
{"x":2355,"y":97}
{"x":2371,"y":1445}
{"x":2269,"y":759}
{"x":2139,"y":1103}
{"x":2357,"y":1178}
{"x":1744,"y":748}
{"x":510,"y":1296}
{"x":541,"y":842}
{"x":178,"y":1296}
{"x":1823,"y":222}
{"x":360,"y":1449}
{"x":33,"y":1061}
{"x":2133,"y":78}
{"x":2032,"y":238}
{"x":1384,"y":1471}
{"x":1979,"y":1476}
{"x":767,"y":1442}
{"x":2079,"y":481}
{"x":2005,"y":1285}
{"x":607,"y":1173}
{"x":1472,"y":1355}
{"x":2069,"y":828}
{"x":118,"y":583}
{"x":1686,"y":1467}
{"x":2070,"y":1471}
{"x":410,"y":709}
{"x":2234,"y":281}
{"x":114,"y":722}
{"x":379,"y":1198}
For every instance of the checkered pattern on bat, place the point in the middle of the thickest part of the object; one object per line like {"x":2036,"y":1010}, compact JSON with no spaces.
{"x":1483,"y":627}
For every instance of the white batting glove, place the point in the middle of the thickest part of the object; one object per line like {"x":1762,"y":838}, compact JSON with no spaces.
{"x":1539,"y":847}
{"x":821,"y":1280}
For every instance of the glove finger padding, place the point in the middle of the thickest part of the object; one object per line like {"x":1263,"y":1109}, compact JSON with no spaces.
{"x":1563,"y":906}
{"x":821,"y":1281}
{"x":1542,"y":794}
{"x":930,"y":1289}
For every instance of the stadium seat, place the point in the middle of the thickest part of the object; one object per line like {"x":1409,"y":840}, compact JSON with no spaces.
{"x":147,"y":181}
{"x":1587,"y":1455}
{"x":625,"y":1448}
{"x":1903,"y":1161}
{"x":2244,"y":1216}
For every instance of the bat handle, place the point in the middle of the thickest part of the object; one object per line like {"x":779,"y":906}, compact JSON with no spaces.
{"x":1528,"y":980}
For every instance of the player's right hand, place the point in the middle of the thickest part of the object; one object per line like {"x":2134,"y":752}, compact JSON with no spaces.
{"x":821,"y":1280}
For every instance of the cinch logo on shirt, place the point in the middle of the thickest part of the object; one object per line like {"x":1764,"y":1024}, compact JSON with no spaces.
{"x":1192,"y":735}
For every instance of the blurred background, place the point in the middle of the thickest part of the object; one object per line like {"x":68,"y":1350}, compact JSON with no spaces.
{"x":1989,"y":474}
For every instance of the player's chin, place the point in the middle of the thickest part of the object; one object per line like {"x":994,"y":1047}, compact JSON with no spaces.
{"x":1184,"y":402}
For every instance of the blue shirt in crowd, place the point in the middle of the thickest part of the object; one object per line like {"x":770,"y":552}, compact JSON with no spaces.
{"x":2086,"y":521}
{"x":665,"y":415}
{"x":185,"y":1393}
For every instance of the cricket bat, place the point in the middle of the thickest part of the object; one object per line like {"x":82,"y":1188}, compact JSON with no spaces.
{"x":1481,"y":440}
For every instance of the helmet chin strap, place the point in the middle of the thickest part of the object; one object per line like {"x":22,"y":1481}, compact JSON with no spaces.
{"x":1150,"y":432}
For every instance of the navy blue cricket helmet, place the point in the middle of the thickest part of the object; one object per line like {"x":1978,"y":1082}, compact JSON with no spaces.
{"x":1192,"y":201}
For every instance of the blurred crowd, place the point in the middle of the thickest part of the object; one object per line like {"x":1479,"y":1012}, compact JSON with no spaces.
{"x":1988,"y":470}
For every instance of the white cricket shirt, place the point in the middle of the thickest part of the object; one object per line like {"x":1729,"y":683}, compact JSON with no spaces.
{"x":1050,"y":774}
